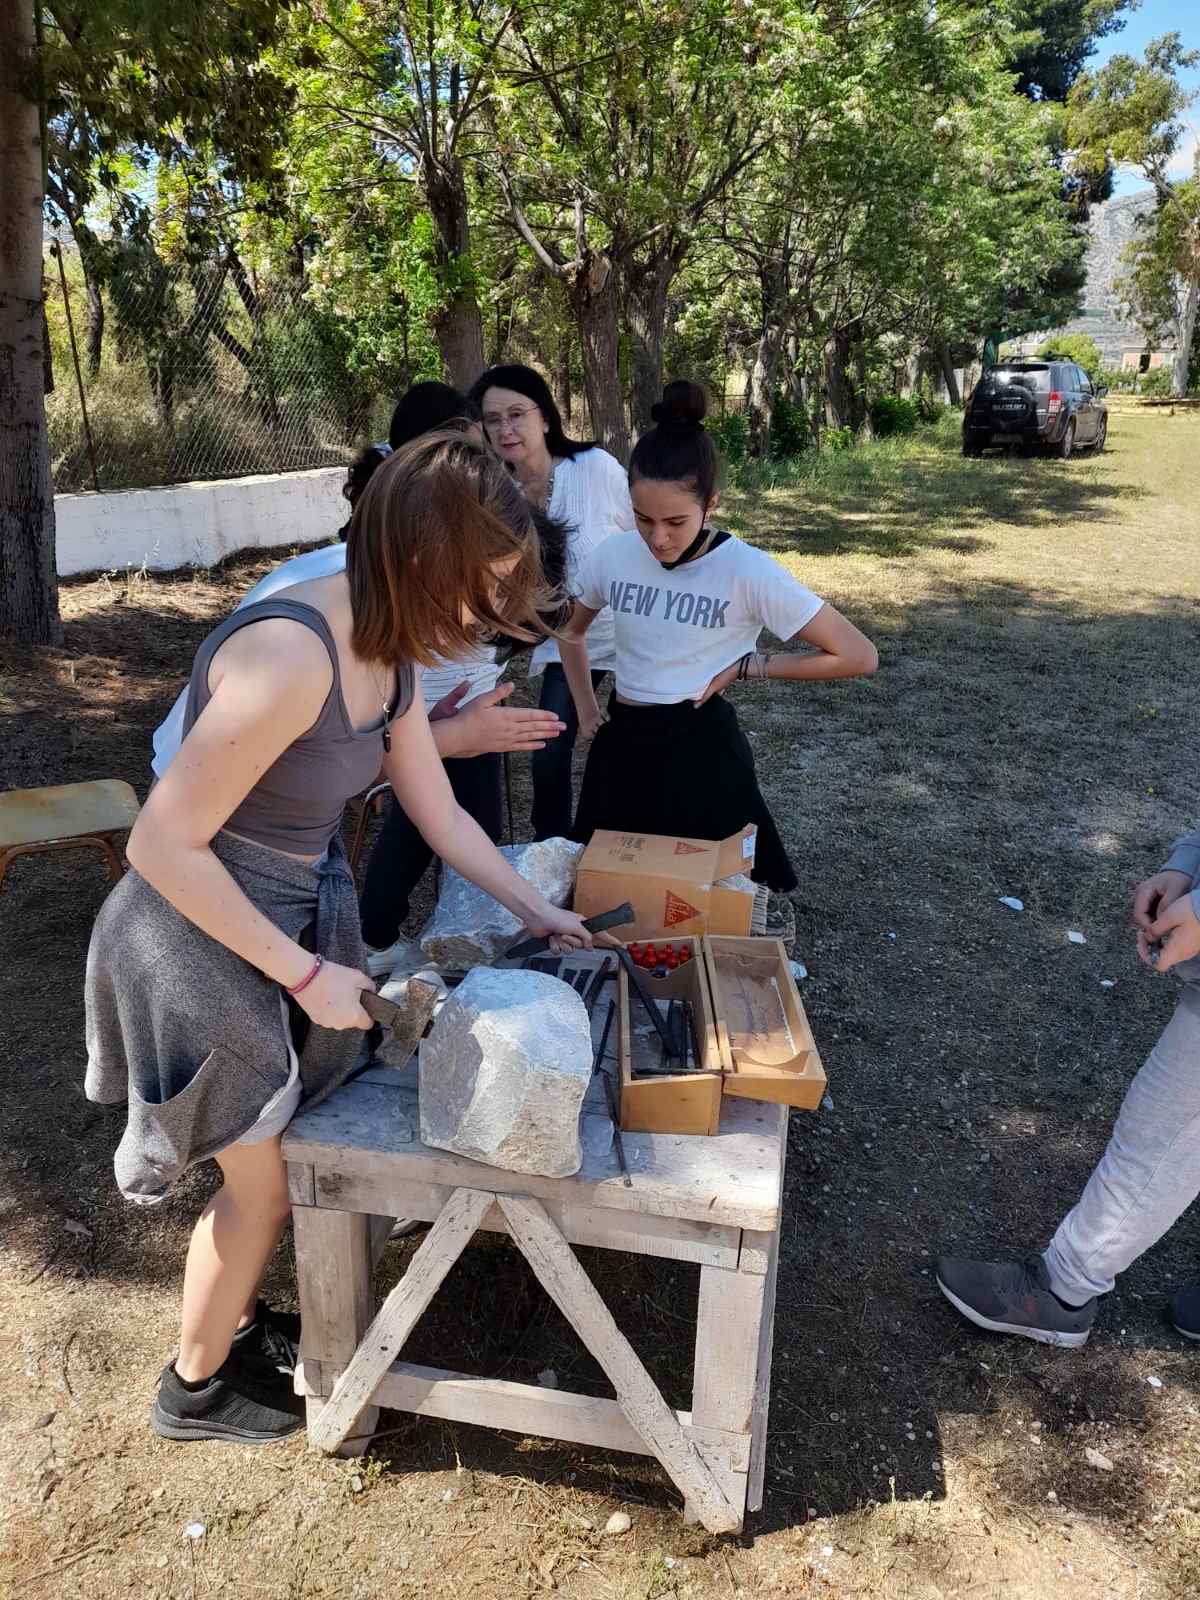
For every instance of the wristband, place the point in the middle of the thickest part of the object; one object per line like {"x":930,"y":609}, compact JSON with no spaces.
{"x":305,"y":981}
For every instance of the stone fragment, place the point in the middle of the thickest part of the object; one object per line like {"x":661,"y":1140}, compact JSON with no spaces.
{"x":619,"y":1522}
{"x":504,"y":1071}
{"x":469,"y":927}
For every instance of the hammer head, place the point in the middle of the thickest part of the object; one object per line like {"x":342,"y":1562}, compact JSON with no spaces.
{"x":408,"y":1018}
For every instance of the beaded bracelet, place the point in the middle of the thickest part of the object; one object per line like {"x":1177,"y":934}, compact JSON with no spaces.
{"x":304,"y":982}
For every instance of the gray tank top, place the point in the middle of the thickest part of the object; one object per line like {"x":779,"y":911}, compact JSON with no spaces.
{"x":298,"y":802}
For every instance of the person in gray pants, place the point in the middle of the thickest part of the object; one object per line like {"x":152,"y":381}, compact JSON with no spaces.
{"x":1149,"y":1173}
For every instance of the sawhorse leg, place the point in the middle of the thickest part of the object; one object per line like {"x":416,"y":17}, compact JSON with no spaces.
{"x":334,"y":1268}
{"x":731,"y":1383}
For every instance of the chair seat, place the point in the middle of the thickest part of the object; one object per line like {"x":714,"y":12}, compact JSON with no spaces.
{"x":67,"y":811}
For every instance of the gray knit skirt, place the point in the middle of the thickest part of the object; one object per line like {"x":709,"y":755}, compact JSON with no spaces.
{"x":193,"y":1037}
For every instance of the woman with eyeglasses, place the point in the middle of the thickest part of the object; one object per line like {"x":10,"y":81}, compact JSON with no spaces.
{"x":585,"y":487}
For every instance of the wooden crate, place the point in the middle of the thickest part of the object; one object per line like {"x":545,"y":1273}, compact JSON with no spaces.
{"x":766,"y":1045}
{"x":684,"y":1102}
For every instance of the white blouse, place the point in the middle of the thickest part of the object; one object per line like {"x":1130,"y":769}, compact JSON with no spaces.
{"x":591,"y":494}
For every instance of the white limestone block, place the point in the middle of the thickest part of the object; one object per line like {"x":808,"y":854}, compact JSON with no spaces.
{"x":504,"y":1071}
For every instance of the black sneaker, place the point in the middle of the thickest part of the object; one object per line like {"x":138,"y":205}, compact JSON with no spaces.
{"x":1184,"y":1311}
{"x":273,"y":1334}
{"x":1014,"y":1297}
{"x":247,"y":1401}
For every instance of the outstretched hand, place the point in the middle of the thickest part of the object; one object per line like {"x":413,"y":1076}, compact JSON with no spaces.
{"x":487,"y":725}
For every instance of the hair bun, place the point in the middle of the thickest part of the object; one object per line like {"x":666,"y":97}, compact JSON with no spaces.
{"x":682,"y":407}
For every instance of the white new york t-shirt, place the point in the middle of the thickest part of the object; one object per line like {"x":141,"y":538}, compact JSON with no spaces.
{"x":674,"y":631}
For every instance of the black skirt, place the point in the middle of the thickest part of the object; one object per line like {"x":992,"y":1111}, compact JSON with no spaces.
{"x":679,"y":769}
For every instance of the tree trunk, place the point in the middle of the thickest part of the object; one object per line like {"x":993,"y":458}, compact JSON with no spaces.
{"x":1187,"y":329}
{"x":839,"y":393}
{"x":28,"y":579}
{"x":793,"y":378}
{"x":563,"y":379}
{"x":592,"y":289}
{"x":945,"y":361}
{"x":647,"y":286}
{"x":95,"y":326}
{"x":457,"y":326}
{"x":760,"y":390}
{"x":862,"y":411}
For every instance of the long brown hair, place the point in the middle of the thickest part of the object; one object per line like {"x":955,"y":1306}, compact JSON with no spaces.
{"x":429,"y":528}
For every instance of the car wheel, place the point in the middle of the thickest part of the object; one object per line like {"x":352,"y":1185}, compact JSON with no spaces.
{"x":1101,"y":436}
{"x":972,"y":447}
{"x":1065,"y":448}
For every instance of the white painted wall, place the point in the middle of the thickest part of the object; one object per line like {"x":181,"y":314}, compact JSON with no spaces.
{"x":197,"y":524}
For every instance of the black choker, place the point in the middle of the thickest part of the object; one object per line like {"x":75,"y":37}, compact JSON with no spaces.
{"x":707,"y":539}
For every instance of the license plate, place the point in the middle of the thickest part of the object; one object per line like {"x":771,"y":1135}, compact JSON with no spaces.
{"x":1006,"y":438}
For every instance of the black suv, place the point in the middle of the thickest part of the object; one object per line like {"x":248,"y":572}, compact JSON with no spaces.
{"x":1031,"y":403}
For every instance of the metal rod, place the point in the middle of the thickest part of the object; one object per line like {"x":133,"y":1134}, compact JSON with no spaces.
{"x":612,"y":1093}
{"x":512,"y":838}
{"x":56,"y":252}
{"x":690,"y":1011}
{"x":601,"y":977}
{"x":639,"y":987}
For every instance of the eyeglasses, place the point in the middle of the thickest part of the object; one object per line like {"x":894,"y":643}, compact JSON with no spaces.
{"x":496,"y":419}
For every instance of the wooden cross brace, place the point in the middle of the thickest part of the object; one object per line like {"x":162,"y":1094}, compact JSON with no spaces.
{"x":564,"y":1280}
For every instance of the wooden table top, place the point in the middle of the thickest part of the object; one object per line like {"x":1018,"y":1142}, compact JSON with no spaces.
{"x":733,"y":1178}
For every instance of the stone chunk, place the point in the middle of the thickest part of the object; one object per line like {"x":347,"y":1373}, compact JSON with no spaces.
{"x":504,"y":1071}
{"x":468,"y":927}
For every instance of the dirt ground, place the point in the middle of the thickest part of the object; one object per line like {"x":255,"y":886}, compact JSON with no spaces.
{"x":1031,"y":732}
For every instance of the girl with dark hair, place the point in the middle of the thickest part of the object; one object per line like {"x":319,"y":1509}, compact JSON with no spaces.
{"x":419,"y":409}
{"x":584,"y":486}
{"x":688,"y":602}
{"x":226,"y":969}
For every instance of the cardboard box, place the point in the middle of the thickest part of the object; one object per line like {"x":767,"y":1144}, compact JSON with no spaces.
{"x":680,"y":1102}
{"x":767,"y":1048}
{"x":672,"y":883}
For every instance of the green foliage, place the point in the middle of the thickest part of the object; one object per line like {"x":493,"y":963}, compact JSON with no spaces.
{"x":1077,"y":347}
{"x":1055,"y":39}
{"x":837,"y":440}
{"x":890,"y":415}
{"x":790,"y":432}
{"x":1119,"y":380}
{"x":1156,"y":384}
{"x":731,"y":435}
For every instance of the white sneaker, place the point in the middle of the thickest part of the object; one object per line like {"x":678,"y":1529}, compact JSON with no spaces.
{"x":403,"y":1226}
{"x":404,"y":954}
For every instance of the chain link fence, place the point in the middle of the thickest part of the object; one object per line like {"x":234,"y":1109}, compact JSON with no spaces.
{"x":167,"y":373}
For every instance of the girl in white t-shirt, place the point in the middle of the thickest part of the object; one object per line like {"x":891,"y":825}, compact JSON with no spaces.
{"x":688,"y":603}
{"x":583,"y":486}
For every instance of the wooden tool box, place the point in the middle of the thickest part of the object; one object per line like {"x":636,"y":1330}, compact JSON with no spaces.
{"x":688,"y":1101}
{"x":766,"y":1045}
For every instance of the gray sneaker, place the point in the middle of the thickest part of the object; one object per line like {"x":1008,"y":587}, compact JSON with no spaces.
{"x":1014,"y":1297}
{"x":1184,"y":1311}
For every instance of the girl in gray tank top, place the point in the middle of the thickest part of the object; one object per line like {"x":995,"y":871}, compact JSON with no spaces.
{"x":239,"y":911}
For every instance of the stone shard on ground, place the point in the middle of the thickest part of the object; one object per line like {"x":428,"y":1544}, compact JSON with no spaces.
{"x":469,"y":927}
{"x":504,"y":1071}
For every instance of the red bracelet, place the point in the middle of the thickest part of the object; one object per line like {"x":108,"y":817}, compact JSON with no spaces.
{"x":304,"y":982}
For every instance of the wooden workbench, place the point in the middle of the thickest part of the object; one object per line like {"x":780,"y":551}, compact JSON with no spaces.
{"x":356,"y":1162}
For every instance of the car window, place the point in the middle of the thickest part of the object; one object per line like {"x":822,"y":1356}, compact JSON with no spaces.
{"x":1085,"y":383}
{"x":1035,"y":378}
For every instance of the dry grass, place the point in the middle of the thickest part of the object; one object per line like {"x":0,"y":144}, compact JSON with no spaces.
{"x":1032,"y":731}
